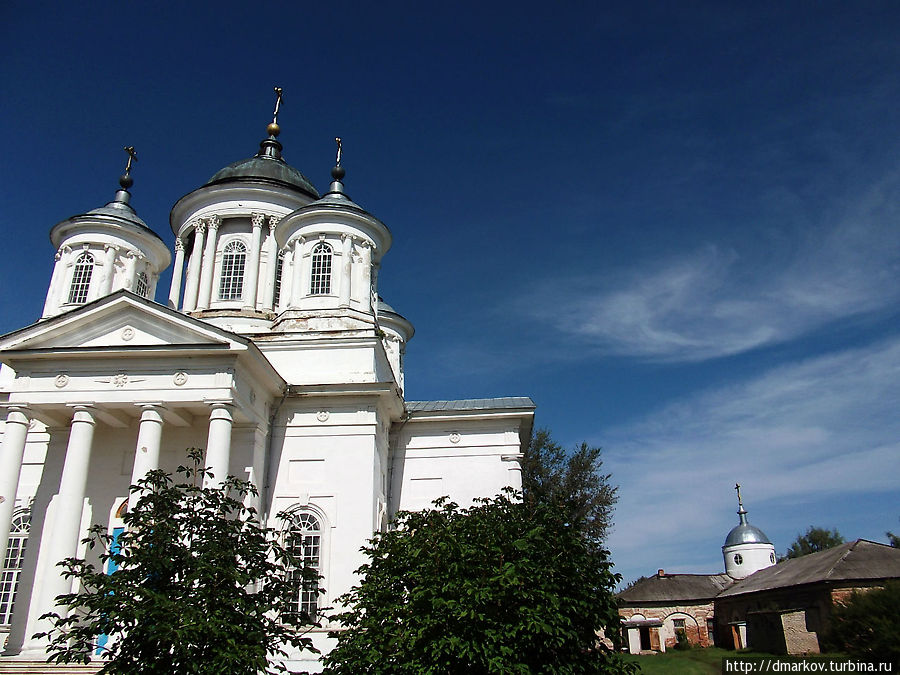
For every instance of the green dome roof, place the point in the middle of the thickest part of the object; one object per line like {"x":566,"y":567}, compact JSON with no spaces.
{"x":266,"y":165}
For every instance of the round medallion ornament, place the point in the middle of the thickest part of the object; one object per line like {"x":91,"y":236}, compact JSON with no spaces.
{"x":454,"y":437}
{"x":61,"y":381}
{"x":127,"y":333}
{"x":322,"y":416}
{"x":179,"y":378}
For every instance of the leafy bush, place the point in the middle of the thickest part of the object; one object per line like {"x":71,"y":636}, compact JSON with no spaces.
{"x":868,"y":624}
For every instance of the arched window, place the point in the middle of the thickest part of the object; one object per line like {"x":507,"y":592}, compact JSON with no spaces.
{"x":320,"y":276}
{"x":231,"y":284}
{"x":81,"y":279}
{"x":12,"y":565}
{"x":142,"y":285}
{"x":279,"y":272}
{"x":304,"y":541}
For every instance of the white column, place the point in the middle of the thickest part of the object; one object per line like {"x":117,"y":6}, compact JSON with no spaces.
{"x":109,"y":268}
{"x":367,"y":277}
{"x":218,"y":445}
{"x":268,"y":303}
{"x":287,"y":281}
{"x":251,"y":274}
{"x":204,"y":295}
{"x":10,"y":468}
{"x":146,"y":454}
{"x":55,"y":281}
{"x":65,"y":531}
{"x":297,"y":279}
{"x":192,"y":282}
{"x":346,"y":268}
{"x":177,"y":273}
{"x":130,"y":270}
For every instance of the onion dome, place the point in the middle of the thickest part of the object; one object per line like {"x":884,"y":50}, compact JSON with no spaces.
{"x":744,"y":532}
{"x":117,"y":213}
{"x":267,"y":165}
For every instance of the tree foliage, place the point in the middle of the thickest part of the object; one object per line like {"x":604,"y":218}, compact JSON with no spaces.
{"x":815,"y":539}
{"x":500,"y":587}
{"x":573,"y":481}
{"x":199,"y":586}
{"x":868,"y":624}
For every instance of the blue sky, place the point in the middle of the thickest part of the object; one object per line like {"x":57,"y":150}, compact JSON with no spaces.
{"x":673,"y":225}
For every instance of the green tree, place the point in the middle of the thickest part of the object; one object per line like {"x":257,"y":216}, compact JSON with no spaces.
{"x":815,"y":539}
{"x":200,"y":585}
{"x":893,"y":539}
{"x":500,"y":587}
{"x":574,"y":481}
{"x":867,"y":624}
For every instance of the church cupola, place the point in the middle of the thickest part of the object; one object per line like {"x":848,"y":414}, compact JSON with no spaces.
{"x":331,"y":250}
{"x":226,"y":257}
{"x":105,"y":250}
{"x":747,"y":549}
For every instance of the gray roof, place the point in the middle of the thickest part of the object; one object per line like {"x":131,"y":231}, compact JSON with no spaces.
{"x":859,"y":560}
{"x":675,"y":588}
{"x":508,"y":402}
{"x":266,"y":169}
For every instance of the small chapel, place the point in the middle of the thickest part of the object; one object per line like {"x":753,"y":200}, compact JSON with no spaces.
{"x":761,"y":603}
{"x":271,"y":349}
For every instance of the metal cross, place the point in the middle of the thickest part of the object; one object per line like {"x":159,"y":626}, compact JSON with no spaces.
{"x":737,"y":486}
{"x":337,"y":140}
{"x":132,"y":157}
{"x":279,"y":95}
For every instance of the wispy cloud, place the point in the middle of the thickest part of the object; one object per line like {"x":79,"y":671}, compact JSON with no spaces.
{"x":720,"y":300}
{"x":818,"y":429}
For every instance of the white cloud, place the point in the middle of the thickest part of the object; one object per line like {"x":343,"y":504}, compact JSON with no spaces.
{"x":817,"y":429}
{"x":718,"y":301}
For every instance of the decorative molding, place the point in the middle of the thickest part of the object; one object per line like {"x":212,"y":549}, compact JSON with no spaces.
{"x":180,"y":378}
{"x":323,"y":415}
{"x":61,"y":380}
{"x":454,"y":437}
{"x":127,"y":333}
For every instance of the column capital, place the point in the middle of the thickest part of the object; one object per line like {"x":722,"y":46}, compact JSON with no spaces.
{"x":273,"y":222}
{"x":257,"y":219}
{"x":213,"y":222}
{"x":16,"y":407}
{"x":179,"y":244}
{"x":199,"y":225}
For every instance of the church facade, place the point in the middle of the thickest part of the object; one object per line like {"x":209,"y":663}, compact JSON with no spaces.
{"x":273,"y":352}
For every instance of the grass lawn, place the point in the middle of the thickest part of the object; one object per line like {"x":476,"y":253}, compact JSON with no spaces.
{"x":688,"y":662}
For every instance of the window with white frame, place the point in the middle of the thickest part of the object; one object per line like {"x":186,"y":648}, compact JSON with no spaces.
{"x":304,"y":541}
{"x":142,"y":285}
{"x":231,"y":281}
{"x":12,"y":564}
{"x":81,"y":279}
{"x":320,"y":276}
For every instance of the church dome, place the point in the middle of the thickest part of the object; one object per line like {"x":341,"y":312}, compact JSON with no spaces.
{"x":745,"y":533}
{"x":266,"y":165}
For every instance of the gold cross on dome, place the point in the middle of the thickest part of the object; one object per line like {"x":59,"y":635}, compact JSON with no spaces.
{"x":337,"y":139}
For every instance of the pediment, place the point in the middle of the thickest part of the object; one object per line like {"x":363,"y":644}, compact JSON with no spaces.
{"x":121,"y":321}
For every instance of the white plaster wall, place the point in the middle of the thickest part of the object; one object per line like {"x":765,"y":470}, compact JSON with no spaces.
{"x":755,"y":557}
{"x":463,"y":459}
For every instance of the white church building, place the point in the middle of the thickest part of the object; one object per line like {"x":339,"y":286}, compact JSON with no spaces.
{"x":272,"y":350}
